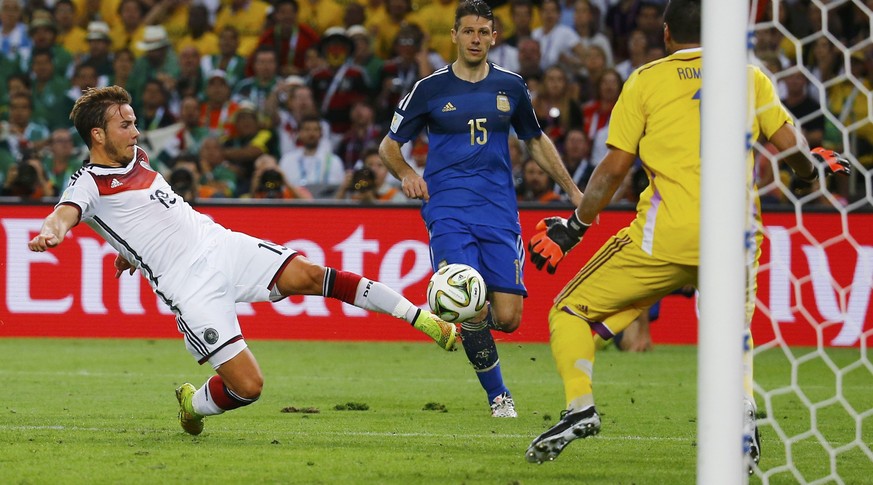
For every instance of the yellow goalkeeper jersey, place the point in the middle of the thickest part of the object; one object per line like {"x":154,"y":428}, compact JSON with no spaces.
{"x":657,"y":116}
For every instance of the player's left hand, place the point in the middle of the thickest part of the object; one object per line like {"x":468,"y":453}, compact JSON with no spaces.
{"x":121,"y":265}
{"x":556,"y":236}
{"x":834,"y":162}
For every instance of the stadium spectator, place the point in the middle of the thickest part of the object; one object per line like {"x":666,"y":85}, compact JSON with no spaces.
{"x":122,"y":67}
{"x":319,"y":14}
{"x":557,"y":42}
{"x":218,"y":177}
{"x":658,"y":121}
{"x":354,"y":14}
{"x":339,"y":84}
{"x":248,"y":17}
{"x":805,"y":110}
{"x":576,"y":155}
{"x":386,"y":31}
{"x":173,"y":16}
{"x":436,"y":20}
{"x":387,"y":186}
{"x":155,"y":112}
{"x":365,"y":57}
{"x":375,"y":15}
{"x":49,"y":93}
{"x":192,"y":78}
{"x":14,"y":39}
{"x":88,"y":11}
{"x":15,"y":84}
{"x":269,"y":182}
{"x":649,"y":20}
{"x":70,"y":36}
{"x":361,"y":135}
{"x":158,"y":61}
{"x":298,"y":103}
{"x":258,"y":87}
{"x":522,"y":14}
{"x":503,"y":54}
{"x":26,"y":180}
{"x":43,"y":34}
{"x":471,"y":214}
{"x":556,"y":106}
{"x":227,"y":59}
{"x":358,"y":186}
{"x":129,"y":31}
{"x":594,"y":65}
{"x":597,"y":111}
{"x":401,"y":72}
{"x":61,"y":160}
{"x":620,"y":20}
{"x":249,"y":140}
{"x":200,"y":34}
{"x":21,"y":135}
{"x":189,"y":135}
{"x":586,"y":25}
{"x":216,"y":111}
{"x":289,"y":38}
{"x":638,"y":52}
{"x":529,"y":62}
{"x":99,"y":48}
{"x":84,"y":77}
{"x":184,"y":179}
{"x":313,"y":165}
{"x":536,"y":184}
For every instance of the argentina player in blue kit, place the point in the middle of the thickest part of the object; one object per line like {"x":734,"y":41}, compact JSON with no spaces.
{"x":469,"y":108}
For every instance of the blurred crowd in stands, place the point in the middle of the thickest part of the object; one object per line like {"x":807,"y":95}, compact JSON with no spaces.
{"x":289,"y":99}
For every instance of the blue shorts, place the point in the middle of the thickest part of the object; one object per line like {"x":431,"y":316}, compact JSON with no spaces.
{"x":498,"y":254}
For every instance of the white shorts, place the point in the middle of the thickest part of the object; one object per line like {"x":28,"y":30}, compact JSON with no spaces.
{"x":237,"y":268}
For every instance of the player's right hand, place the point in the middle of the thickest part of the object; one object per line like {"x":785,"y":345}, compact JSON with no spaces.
{"x":121,"y":265}
{"x":556,"y":236}
{"x":415,"y":187}
{"x":834,"y":162}
{"x":43,"y":242}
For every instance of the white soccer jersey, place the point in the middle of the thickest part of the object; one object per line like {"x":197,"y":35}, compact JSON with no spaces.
{"x":134,"y":209}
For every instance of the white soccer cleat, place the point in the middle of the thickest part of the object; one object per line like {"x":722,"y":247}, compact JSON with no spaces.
{"x":503,"y":407}
{"x":547,"y":446}
{"x":751,"y":437}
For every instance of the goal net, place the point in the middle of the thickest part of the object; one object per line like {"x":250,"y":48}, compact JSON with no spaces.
{"x":814,"y":324}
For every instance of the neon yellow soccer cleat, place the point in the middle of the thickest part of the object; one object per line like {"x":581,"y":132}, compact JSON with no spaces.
{"x":443,"y":333}
{"x":191,"y":422}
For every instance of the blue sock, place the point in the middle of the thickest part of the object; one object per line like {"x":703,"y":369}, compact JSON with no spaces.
{"x":481,"y":350}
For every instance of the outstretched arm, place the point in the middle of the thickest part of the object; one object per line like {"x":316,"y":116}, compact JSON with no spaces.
{"x":546,"y":155}
{"x":556,"y":236}
{"x":412,"y":183}
{"x":789,"y":140}
{"x":54,"y":228}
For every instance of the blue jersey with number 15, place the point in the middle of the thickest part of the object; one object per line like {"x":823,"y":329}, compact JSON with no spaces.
{"x":468,"y":171}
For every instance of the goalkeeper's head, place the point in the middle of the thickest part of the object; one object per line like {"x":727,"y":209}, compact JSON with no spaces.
{"x":682,"y":23}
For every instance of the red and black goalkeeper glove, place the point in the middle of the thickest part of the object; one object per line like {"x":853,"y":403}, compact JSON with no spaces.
{"x":833,"y":162}
{"x":556,"y":236}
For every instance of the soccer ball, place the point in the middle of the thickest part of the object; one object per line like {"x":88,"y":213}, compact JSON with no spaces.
{"x":456,"y":293}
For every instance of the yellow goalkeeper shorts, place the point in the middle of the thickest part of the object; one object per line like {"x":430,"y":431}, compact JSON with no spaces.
{"x":618,"y":282}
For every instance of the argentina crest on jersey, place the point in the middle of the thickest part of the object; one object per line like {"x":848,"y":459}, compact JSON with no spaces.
{"x":502,"y":102}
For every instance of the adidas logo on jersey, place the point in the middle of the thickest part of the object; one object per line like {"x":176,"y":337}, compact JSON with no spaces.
{"x":115,"y":183}
{"x":449,"y":107}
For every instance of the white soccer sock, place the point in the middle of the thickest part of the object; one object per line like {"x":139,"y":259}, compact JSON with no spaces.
{"x":375,"y":296}
{"x":202,"y":404}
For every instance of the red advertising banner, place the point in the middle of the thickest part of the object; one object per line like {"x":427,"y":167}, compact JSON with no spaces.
{"x":815,"y":278}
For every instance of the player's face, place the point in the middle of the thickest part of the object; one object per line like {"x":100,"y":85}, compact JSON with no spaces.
{"x":120,"y":134}
{"x":473,"y":37}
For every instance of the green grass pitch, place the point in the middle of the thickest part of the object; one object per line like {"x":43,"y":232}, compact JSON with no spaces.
{"x":103,"y":411}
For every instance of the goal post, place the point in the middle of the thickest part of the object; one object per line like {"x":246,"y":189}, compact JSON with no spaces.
{"x":723,"y":227}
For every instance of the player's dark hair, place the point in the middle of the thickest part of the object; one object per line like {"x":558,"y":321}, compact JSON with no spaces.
{"x":473,"y":7}
{"x":90,"y":109}
{"x":683,"y":19}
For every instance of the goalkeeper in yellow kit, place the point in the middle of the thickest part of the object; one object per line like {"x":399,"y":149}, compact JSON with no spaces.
{"x":657,"y":118}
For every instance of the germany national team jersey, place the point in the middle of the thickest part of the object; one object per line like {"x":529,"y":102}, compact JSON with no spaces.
{"x":468,"y":170}
{"x":657,"y":116}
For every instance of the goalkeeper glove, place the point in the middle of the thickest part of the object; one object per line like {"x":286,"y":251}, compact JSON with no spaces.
{"x":556,"y":236}
{"x":833,"y":162}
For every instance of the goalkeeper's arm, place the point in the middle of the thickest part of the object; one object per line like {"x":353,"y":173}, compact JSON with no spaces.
{"x":557,"y":236}
{"x":788,"y":139}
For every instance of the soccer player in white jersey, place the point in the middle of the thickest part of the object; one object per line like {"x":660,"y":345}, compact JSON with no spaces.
{"x":197,"y":267}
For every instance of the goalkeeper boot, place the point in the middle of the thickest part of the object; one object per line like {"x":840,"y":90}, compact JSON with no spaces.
{"x":751,"y":437}
{"x":442,"y":332}
{"x":191,"y":422}
{"x":503,"y":406}
{"x":579,"y":424}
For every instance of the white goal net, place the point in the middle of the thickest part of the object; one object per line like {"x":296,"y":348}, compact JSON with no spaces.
{"x":814,"y":324}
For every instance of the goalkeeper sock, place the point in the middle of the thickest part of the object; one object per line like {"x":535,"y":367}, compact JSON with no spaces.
{"x":365,"y":293}
{"x":573,"y":350}
{"x":215,"y":398}
{"x":748,"y":367}
{"x":482,"y":352}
